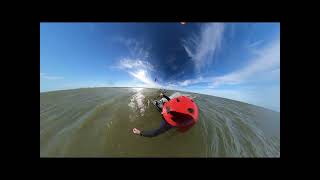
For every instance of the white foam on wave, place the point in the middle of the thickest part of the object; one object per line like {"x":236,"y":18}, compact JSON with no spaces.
{"x":137,"y":103}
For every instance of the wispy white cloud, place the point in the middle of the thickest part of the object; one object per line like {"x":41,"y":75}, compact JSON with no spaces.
{"x":144,"y":77}
{"x":171,"y":86}
{"x":127,"y":63}
{"x":202,"y":47}
{"x":191,"y":81}
{"x":137,"y":49}
{"x":265,"y":65}
{"x":49,"y":77}
{"x":138,"y":69}
{"x":265,"y":61}
{"x":137,"y":65}
{"x":185,"y":82}
{"x":255,"y":44}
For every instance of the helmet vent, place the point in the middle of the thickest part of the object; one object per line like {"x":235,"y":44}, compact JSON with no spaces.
{"x":190,"y":110}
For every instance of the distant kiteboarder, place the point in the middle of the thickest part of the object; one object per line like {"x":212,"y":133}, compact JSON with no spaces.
{"x":180,"y":112}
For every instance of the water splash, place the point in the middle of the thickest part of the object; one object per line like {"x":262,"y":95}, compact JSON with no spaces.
{"x":137,"y":104}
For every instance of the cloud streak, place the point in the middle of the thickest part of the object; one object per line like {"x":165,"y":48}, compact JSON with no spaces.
{"x":144,"y":77}
{"x":137,"y":65}
{"x":255,"y":44}
{"x":191,"y":81}
{"x":265,"y":65}
{"x":202,"y":47}
{"x":266,"y":62}
{"x":127,"y":63}
{"x":136,"y":48}
{"x":48,"y":77}
{"x":138,"y":69}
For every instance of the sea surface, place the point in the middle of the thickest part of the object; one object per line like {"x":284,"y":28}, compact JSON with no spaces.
{"x":98,"y":122}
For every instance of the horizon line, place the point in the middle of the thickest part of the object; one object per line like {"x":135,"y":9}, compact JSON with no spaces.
{"x":161,"y":88}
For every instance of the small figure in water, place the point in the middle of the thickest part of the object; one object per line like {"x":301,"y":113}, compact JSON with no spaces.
{"x":164,"y":126}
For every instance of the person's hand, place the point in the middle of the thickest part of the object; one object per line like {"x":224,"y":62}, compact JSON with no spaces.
{"x":161,"y":95}
{"x":136,"y":131}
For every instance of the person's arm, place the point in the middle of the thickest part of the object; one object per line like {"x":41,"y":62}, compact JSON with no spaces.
{"x":164,"y":126}
{"x":165,"y":96}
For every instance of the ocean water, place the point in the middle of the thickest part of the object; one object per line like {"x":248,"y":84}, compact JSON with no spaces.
{"x":98,"y":122}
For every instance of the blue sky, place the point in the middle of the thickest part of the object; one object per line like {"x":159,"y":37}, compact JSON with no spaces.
{"x":239,"y":61}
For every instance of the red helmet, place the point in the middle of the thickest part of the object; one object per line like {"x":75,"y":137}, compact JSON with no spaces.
{"x":181,"y":112}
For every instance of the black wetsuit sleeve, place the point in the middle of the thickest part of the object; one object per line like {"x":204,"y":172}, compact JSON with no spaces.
{"x":164,"y":126}
{"x":166,"y":97}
